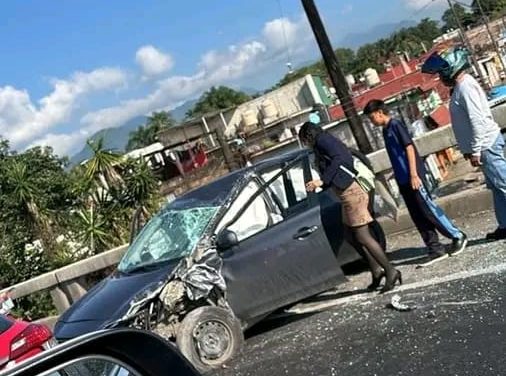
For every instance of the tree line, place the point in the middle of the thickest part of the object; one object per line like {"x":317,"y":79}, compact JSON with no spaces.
{"x":413,"y":40}
{"x":470,"y":16}
{"x":52,"y":215}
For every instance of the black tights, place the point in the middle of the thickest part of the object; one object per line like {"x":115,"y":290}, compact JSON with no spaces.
{"x":374,"y":253}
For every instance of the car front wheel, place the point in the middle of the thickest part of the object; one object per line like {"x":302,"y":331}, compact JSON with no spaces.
{"x":209,"y":337}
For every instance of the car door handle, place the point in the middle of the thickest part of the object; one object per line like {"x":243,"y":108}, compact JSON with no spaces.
{"x":304,"y":232}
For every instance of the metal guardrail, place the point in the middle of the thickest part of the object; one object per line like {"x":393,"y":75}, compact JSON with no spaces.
{"x":66,"y":284}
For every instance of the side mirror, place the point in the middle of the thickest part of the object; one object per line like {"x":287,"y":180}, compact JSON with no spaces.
{"x":226,"y":240}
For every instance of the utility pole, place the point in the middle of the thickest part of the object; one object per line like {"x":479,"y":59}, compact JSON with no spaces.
{"x":494,"y":42}
{"x":337,"y":76}
{"x":225,"y":149}
{"x":467,"y":43}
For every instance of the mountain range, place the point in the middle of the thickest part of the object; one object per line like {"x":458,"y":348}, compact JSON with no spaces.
{"x":355,"y":40}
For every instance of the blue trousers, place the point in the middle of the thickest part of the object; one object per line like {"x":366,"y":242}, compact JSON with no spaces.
{"x":494,"y":169}
{"x":428,"y":217}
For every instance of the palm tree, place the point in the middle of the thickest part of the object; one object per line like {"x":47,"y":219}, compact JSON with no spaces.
{"x":147,"y":135}
{"x":140,"y":184}
{"x":141,"y":190}
{"x":101,"y":168}
{"x":4,"y":147}
{"x":94,"y":231}
{"x":160,"y":120}
{"x":24,"y":192}
{"x":137,"y":138}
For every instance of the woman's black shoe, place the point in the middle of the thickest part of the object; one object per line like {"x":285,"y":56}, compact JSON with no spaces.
{"x":389,"y":285}
{"x":376,"y":280}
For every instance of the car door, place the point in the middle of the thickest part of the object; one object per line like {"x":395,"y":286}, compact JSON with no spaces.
{"x":283,"y":254}
{"x":343,"y":244}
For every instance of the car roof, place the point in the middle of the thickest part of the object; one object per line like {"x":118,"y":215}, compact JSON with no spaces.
{"x":217,"y":191}
{"x":278,"y":159}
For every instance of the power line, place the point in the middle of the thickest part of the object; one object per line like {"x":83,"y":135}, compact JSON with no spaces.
{"x":422,"y":9}
{"x":287,"y":45}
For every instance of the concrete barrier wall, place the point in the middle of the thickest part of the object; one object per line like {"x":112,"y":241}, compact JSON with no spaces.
{"x":67,"y":273}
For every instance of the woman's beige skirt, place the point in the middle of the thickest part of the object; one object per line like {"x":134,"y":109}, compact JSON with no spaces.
{"x":355,"y":202}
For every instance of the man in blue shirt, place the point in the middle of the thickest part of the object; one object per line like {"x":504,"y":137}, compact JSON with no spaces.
{"x":409,"y":171}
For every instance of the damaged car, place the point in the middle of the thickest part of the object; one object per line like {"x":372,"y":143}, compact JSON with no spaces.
{"x":220,"y":258}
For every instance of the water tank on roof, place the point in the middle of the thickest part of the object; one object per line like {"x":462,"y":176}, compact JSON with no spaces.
{"x":350,"y":79}
{"x":372,"y":77}
{"x":269,"y":109}
{"x":249,"y":118}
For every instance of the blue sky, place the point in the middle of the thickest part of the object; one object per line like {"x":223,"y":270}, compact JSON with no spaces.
{"x":70,"y":68}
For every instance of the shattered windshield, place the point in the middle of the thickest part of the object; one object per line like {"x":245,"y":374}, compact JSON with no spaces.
{"x":170,"y":235}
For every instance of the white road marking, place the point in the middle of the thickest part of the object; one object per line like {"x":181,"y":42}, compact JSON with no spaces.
{"x":304,"y":308}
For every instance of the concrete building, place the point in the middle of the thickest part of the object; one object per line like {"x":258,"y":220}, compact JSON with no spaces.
{"x":489,"y":66}
{"x":292,"y":101}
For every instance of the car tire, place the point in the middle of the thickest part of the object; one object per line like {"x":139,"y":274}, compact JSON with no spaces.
{"x":209,"y":337}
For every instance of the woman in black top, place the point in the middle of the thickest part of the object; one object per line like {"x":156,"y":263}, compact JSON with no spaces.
{"x":334,"y":160}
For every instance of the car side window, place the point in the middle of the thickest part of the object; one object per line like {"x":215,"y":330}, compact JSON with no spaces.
{"x":254,"y":219}
{"x":277,"y":187}
{"x":289,"y":189}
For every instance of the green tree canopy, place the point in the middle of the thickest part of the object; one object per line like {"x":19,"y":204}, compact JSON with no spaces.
{"x":147,"y":134}
{"x":52,"y":216}
{"x":374,"y":55}
{"x":370,"y":55}
{"x":492,"y":8}
{"x":35,"y":197}
{"x":4,"y":147}
{"x":449,"y":22}
{"x":217,"y":98}
{"x":346,"y":57}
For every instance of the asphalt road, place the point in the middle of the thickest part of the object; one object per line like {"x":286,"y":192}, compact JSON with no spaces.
{"x":457,"y":326}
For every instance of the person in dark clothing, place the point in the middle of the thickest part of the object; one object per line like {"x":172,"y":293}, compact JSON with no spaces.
{"x":334,"y":159}
{"x":409,"y":171}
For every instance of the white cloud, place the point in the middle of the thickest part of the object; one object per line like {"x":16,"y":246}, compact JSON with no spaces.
{"x":21,"y":121}
{"x":419,"y":4}
{"x":215,"y":68}
{"x":15,"y":108}
{"x":152,"y":61}
{"x":62,"y":144}
{"x":282,"y":33}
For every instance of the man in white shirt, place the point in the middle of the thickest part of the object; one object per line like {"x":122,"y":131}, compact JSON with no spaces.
{"x":478,"y":135}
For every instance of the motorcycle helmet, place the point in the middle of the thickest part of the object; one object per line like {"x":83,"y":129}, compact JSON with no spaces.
{"x":447,"y":63}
